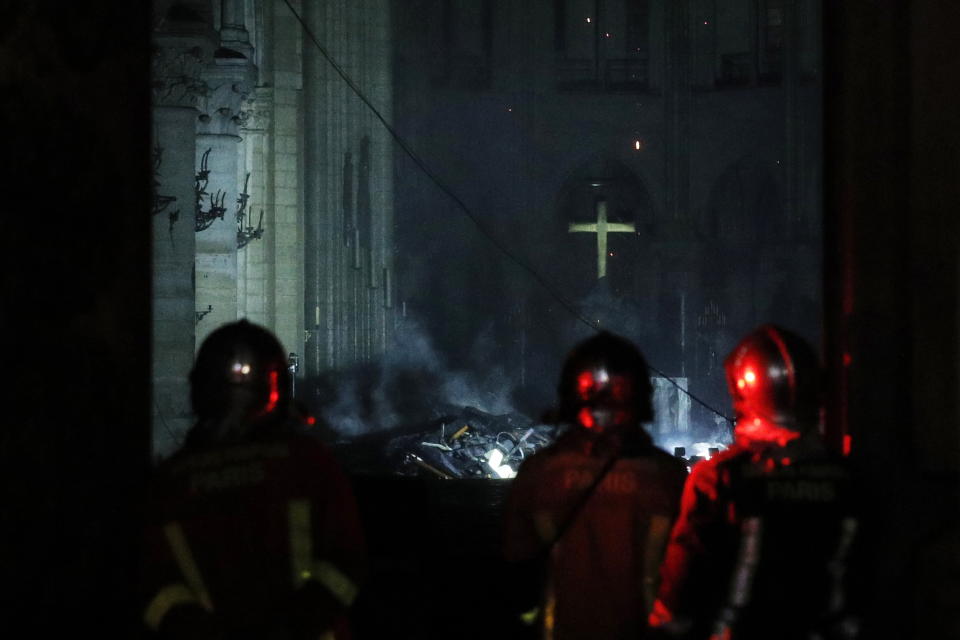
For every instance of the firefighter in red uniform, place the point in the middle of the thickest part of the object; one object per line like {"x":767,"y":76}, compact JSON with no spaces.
{"x":595,"y":508}
{"x":252,"y":529}
{"x":761,"y":546}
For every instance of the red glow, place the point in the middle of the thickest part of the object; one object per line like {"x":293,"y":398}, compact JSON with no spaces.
{"x":274,"y":397}
{"x":741,"y":383}
{"x":585,"y":383}
{"x":311,"y":420}
{"x":759,"y":430}
{"x":750,"y":377}
{"x":847,"y":442}
{"x":659,"y":615}
{"x":586,"y":418}
{"x":788,"y":361}
{"x":786,"y":462}
{"x":847,"y":359}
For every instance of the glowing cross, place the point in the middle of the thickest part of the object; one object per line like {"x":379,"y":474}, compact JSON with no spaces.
{"x":602,"y":228}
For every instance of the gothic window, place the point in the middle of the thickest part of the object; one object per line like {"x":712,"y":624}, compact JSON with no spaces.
{"x":602,"y":44}
{"x":467,"y":43}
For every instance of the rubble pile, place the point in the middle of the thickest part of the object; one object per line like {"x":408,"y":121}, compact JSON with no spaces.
{"x":463,"y":442}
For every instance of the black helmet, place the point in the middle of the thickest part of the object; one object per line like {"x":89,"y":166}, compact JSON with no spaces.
{"x":605,"y":382}
{"x":774,"y":378}
{"x":240,"y":374}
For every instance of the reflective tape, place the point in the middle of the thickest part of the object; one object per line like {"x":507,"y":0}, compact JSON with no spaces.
{"x":302,"y":565}
{"x":336,"y":582}
{"x":837,"y":567}
{"x":529,"y":617}
{"x":187,"y":565}
{"x":549,"y":615}
{"x":741,"y":583}
{"x":550,"y":599}
{"x":165,"y":600}
{"x":752,"y":533}
{"x":301,"y":541}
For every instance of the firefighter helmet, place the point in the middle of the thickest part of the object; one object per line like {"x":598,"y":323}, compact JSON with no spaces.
{"x":774,"y":379}
{"x":605,"y":383}
{"x":241,"y":373}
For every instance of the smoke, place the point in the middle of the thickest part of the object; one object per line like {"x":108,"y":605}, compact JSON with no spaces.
{"x":705,"y":430}
{"x":412,"y":384}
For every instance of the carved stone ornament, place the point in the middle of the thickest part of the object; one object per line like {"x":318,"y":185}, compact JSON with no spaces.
{"x":258,"y":110}
{"x":176,"y":76}
{"x":221,"y":108}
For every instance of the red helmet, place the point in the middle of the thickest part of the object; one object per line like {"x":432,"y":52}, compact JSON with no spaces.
{"x":605,"y":383}
{"x":774,"y":380}
{"x":240,"y":374}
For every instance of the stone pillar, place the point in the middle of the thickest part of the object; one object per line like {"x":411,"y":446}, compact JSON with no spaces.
{"x":216,"y":258}
{"x":379,"y":19}
{"x":317,"y":313}
{"x":176,"y":69}
{"x":255,"y":260}
{"x":289,"y":133}
{"x":348,"y":203}
{"x":233,"y":30}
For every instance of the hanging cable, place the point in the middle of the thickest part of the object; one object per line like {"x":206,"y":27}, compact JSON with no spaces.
{"x":543,"y":282}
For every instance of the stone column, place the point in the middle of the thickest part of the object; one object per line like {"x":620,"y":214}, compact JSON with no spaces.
{"x":383,"y":171}
{"x":289,"y":132}
{"x":216,"y":258}
{"x":317,"y":313}
{"x":255,"y":261}
{"x":177,"y":65}
{"x":233,"y":29}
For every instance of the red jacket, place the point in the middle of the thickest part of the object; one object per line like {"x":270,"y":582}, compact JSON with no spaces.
{"x":241,"y":528}
{"x":603,"y":568}
{"x":760,"y":547}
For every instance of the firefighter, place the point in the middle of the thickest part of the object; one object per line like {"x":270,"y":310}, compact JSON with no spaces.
{"x":765,"y":530}
{"x":252,"y":529}
{"x":594,"y":509}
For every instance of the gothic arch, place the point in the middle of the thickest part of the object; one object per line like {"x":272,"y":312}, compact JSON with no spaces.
{"x":576,"y":257}
{"x":603,"y":176}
